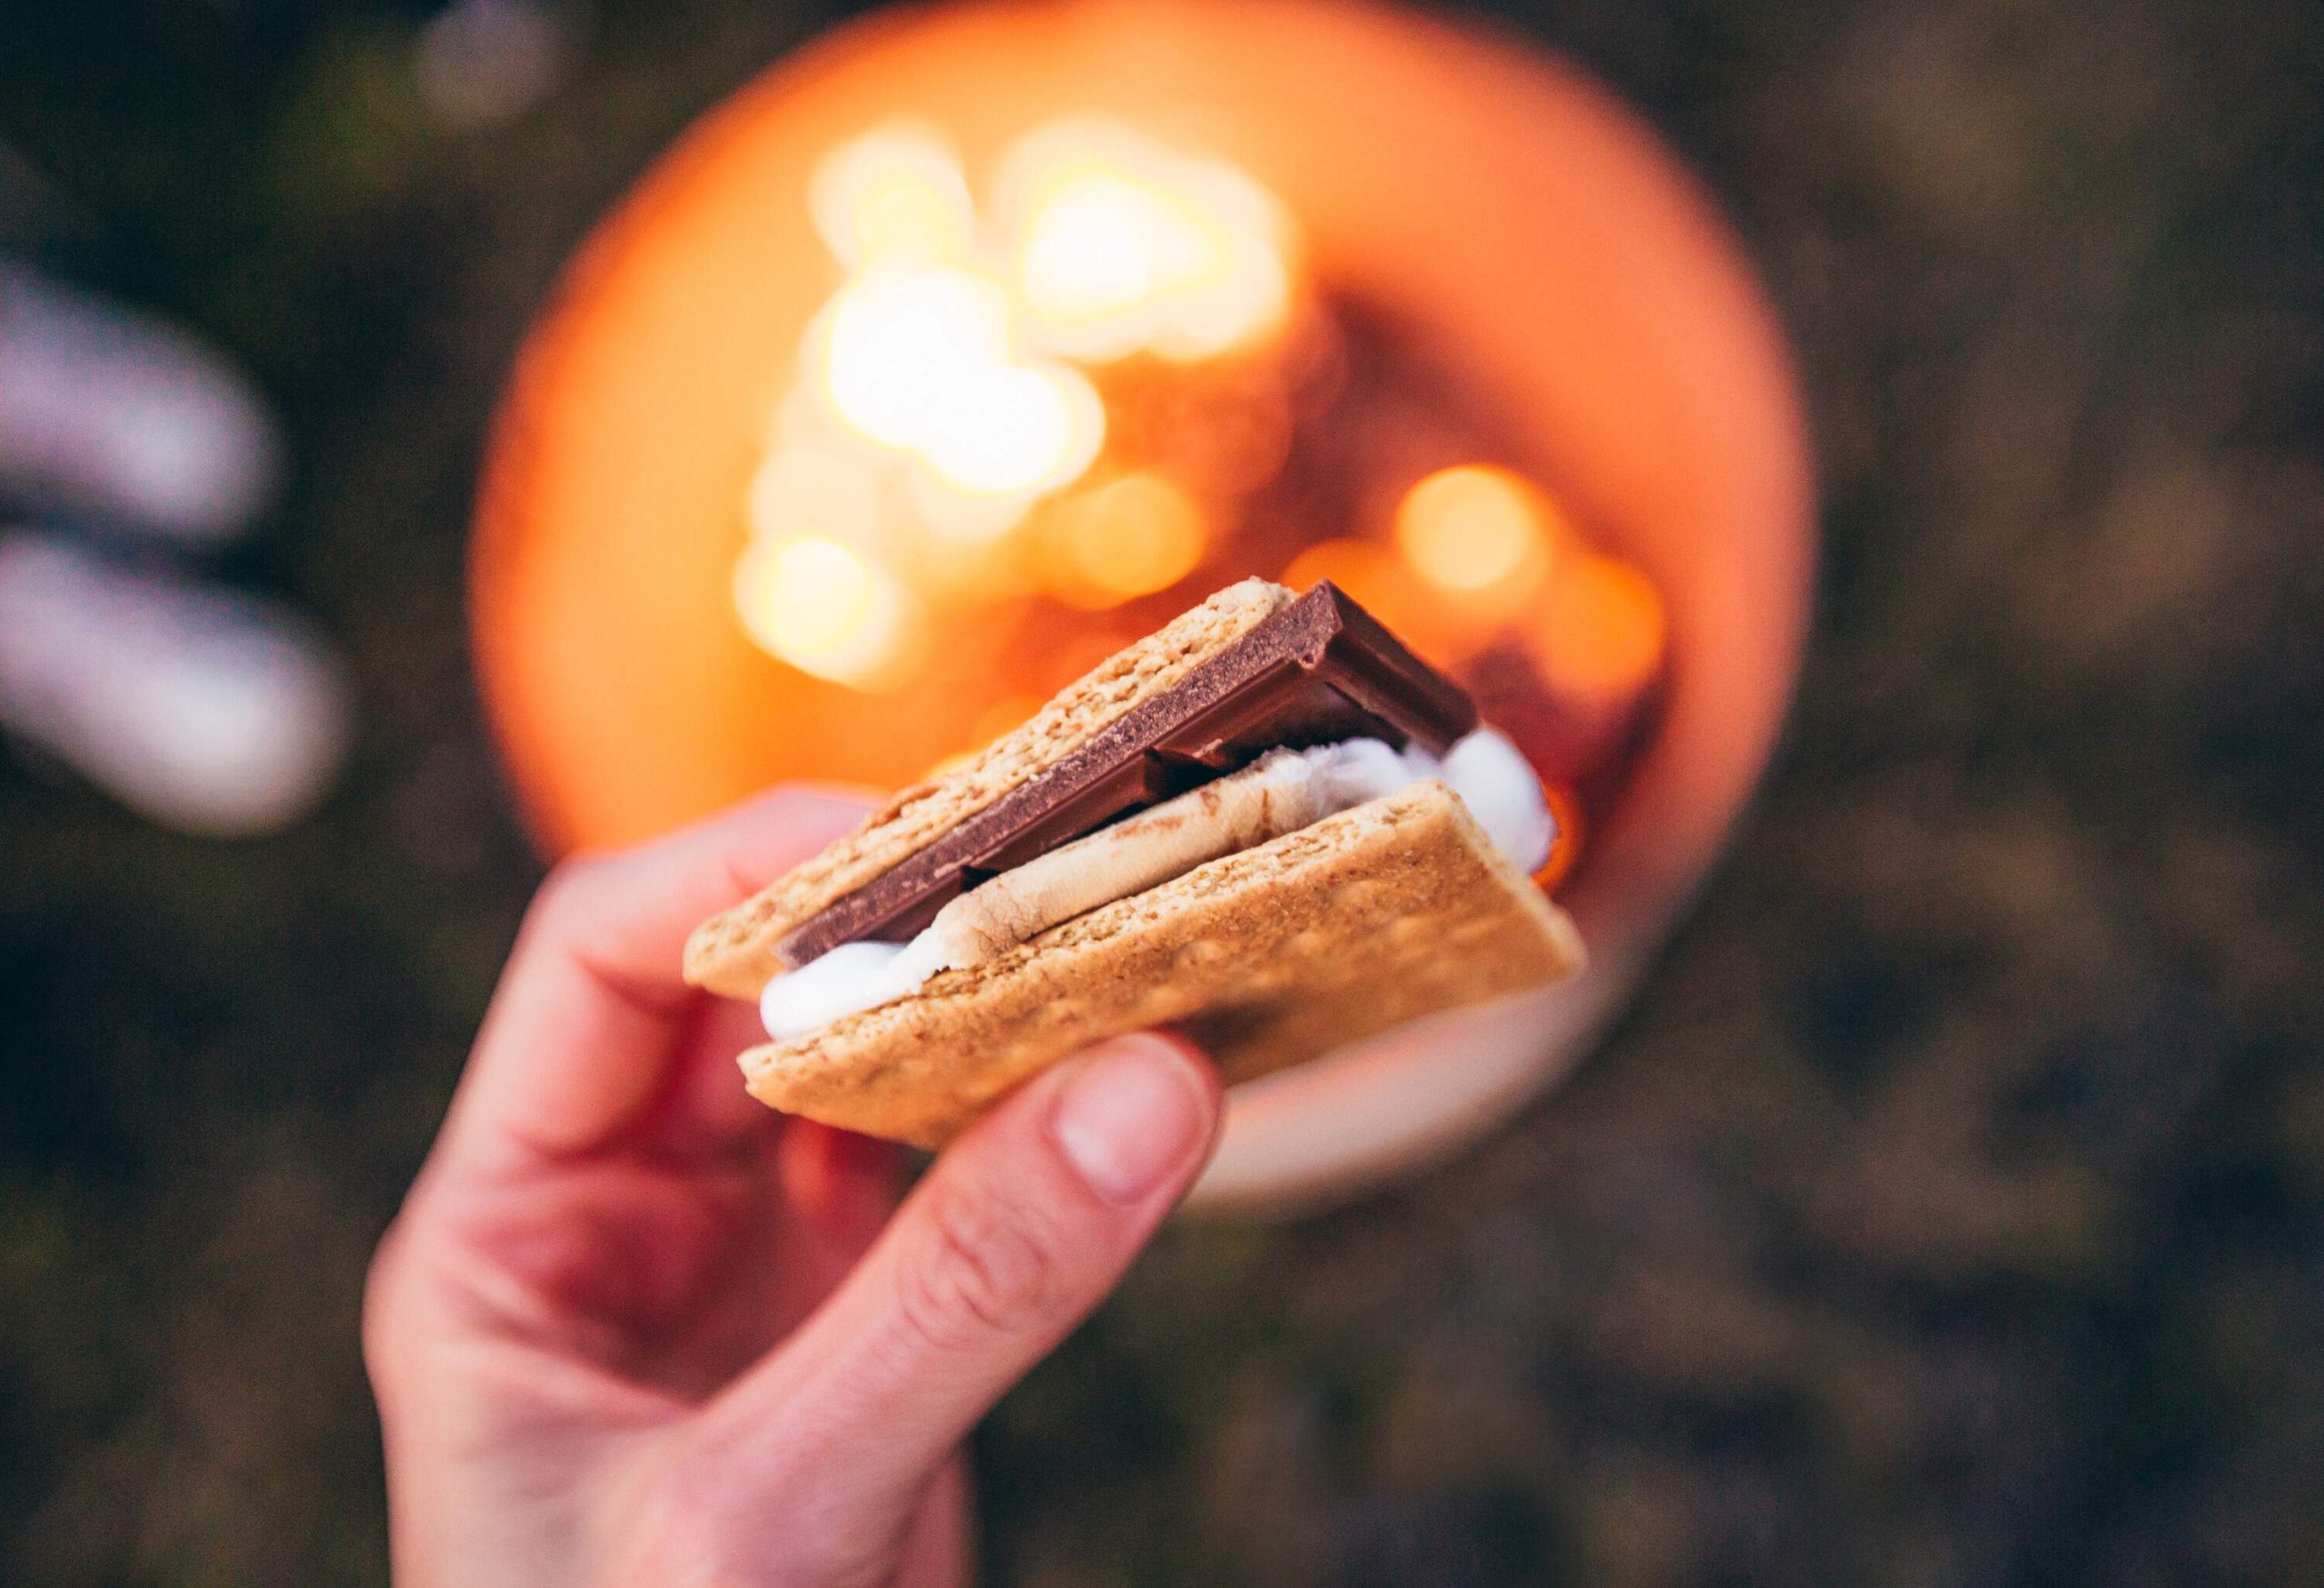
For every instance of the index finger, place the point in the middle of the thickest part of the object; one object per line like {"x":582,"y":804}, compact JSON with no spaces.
{"x":591,"y":1009}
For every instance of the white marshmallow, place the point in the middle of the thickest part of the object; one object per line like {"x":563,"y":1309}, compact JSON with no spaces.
{"x":1355,"y":771}
{"x":1503,"y":792}
{"x":851,"y":977}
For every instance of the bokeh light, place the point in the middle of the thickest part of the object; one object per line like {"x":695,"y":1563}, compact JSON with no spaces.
{"x":898,"y":193}
{"x":826,"y":609}
{"x":940,"y":396}
{"x":1127,"y":537}
{"x":1565,"y":810}
{"x":1477,"y":534}
{"x":1014,"y":429}
{"x":1602,"y":631}
{"x":1126,"y":245}
{"x":803,"y":488}
{"x":903,"y":345}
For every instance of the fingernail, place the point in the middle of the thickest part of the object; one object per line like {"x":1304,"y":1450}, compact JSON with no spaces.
{"x":1130,"y":1117}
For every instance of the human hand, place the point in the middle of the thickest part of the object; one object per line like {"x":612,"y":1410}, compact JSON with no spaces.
{"x":631,"y":1327}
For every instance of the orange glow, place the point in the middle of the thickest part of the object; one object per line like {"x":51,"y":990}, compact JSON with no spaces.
{"x":951,"y":533}
{"x":919,"y":359}
{"x":1364,"y":570}
{"x":826,"y":610}
{"x":900,"y":343}
{"x":1481,"y":535}
{"x":1565,"y":808}
{"x":1014,"y":429}
{"x":897,"y":192}
{"x":1129,"y":537}
{"x":1384,"y":586}
{"x":1122,"y":244}
{"x":934,"y":407}
{"x":625,"y":693}
{"x":1603,"y":629}
{"x":803,"y":489}
{"x":1009,"y":712}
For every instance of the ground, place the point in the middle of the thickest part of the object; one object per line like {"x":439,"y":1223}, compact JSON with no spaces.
{"x":1947,"y":1209}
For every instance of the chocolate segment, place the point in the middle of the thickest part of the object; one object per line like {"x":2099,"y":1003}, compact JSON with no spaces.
{"x":1320,"y":670}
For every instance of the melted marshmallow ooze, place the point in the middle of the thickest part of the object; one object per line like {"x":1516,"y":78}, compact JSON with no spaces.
{"x":1280,"y":793}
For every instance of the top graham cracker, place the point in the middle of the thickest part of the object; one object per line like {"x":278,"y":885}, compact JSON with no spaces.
{"x":737,"y":951}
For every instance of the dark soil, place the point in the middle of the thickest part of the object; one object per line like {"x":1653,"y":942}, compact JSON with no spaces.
{"x":1948,"y":1210}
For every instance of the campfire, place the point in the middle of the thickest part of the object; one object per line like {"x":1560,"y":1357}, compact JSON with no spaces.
{"x":1058,"y":403}
{"x":960,"y":351}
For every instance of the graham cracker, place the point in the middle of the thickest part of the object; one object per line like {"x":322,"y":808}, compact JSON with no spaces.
{"x":736,"y":953}
{"x":1393,"y":910}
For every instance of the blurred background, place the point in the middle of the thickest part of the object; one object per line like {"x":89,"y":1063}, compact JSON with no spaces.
{"x":1947,"y":1210}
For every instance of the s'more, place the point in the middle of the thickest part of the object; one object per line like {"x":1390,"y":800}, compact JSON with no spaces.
{"x":1268,"y":825}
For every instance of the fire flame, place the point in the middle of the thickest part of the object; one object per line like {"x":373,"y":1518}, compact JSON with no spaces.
{"x":944,"y":446}
{"x":920,"y":359}
{"x":940,"y":398}
{"x":1478,"y":552}
{"x":1605,"y":631}
{"x":897,"y":192}
{"x":1129,"y":537}
{"x":1125,"y":245}
{"x":1480,"y":535}
{"x":825,"y":609}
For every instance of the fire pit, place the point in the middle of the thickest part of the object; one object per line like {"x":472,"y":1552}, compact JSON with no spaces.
{"x":973,"y":342}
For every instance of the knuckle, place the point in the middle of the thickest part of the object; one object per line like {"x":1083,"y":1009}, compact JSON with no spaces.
{"x":990,"y":1267}
{"x":384,"y":1287}
{"x":570,"y":900}
{"x":565,"y":889}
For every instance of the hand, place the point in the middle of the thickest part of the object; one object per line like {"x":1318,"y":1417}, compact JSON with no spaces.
{"x":633,"y":1328}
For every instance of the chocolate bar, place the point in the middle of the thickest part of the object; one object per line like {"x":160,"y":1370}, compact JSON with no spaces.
{"x":1320,"y":670}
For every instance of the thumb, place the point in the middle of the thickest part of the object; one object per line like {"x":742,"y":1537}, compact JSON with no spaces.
{"x":1017,"y":1233}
